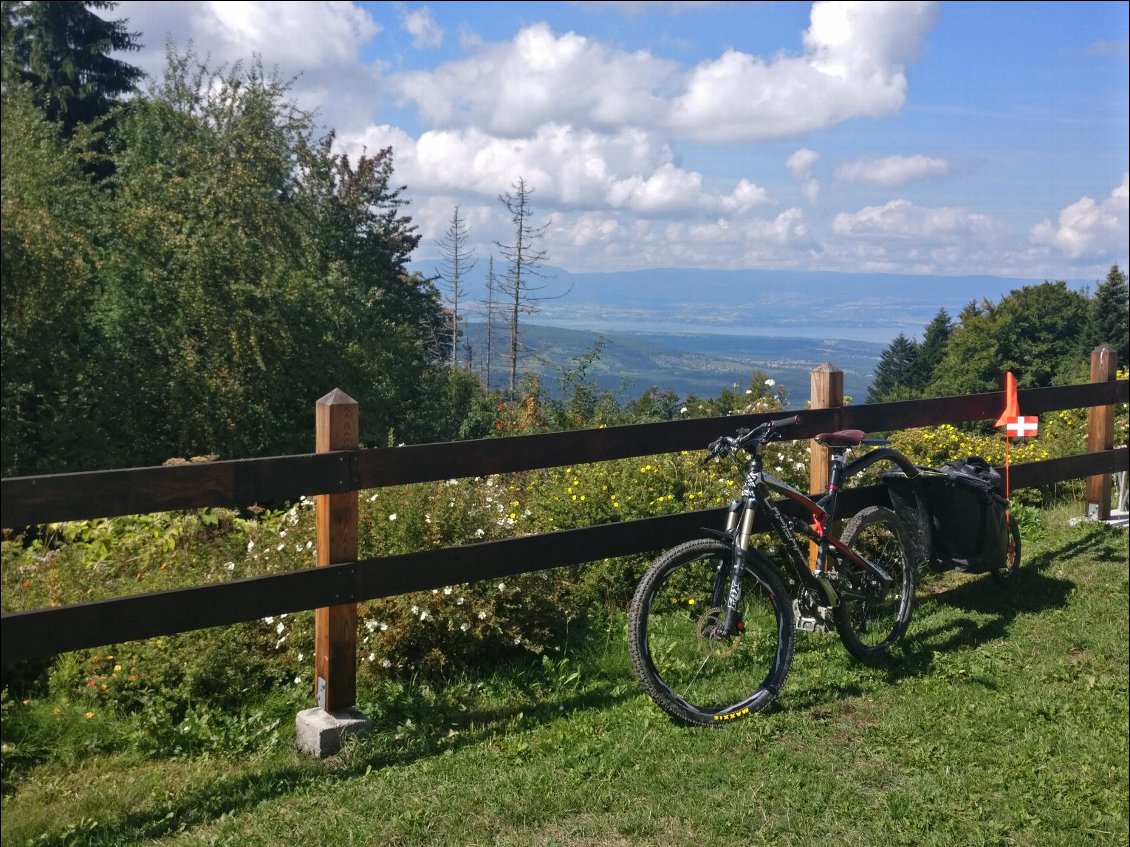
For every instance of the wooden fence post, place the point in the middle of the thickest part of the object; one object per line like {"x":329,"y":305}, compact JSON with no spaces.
{"x":335,"y":627}
{"x":1100,"y":433}
{"x":827,"y":392}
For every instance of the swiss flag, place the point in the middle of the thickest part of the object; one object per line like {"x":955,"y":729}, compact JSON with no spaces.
{"x":1022,"y":427}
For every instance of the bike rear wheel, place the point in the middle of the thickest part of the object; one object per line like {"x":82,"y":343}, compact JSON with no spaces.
{"x":1011,"y":569}
{"x":869,"y":619}
{"x":687,"y":665}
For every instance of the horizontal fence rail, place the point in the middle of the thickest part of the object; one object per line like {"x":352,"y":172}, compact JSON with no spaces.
{"x":26,"y":501}
{"x":45,"y":632}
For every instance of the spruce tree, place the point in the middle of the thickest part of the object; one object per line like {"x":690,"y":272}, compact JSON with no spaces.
{"x":933,"y":348}
{"x":1109,"y":319}
{"x":62,"y":50}
{"x":896,"y":373}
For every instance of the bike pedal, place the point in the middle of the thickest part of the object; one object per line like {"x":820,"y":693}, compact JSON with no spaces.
{"x":819,"y":621}
{"x":812,"y":625}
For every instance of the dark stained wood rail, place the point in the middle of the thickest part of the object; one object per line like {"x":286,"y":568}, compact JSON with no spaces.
{"x":32,"y":500}
{"x":26,"y":501}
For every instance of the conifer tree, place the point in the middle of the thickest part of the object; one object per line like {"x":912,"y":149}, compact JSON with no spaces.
{"x":896,"y":372}
{"x":62,"y":50}
{"x":1109,"y":319}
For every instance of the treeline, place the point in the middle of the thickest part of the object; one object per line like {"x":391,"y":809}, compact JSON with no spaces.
{"x":186,"y":272}
{"x":1043,"y":333}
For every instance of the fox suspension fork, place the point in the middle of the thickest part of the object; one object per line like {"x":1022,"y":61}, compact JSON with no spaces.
{"x":740,"y":520}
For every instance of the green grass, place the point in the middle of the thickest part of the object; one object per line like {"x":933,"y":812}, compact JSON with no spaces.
{"x":1003,"y":721}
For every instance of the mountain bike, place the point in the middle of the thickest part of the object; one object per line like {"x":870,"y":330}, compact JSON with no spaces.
{"x":712,"y":623}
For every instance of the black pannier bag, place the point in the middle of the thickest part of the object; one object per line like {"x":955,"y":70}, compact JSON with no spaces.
{"x":964,"y":523}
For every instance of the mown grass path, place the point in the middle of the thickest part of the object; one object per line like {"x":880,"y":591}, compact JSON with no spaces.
{"x":1004,"y":721}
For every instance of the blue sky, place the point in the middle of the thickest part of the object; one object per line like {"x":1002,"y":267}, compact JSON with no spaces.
{"x":923,"y":138}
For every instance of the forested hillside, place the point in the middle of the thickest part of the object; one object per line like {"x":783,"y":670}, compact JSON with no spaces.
{"x":1043,"y":333}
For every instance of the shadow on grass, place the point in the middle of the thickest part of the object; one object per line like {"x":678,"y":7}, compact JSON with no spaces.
{"x":389,"y":745}
{"x":409,"y":732}
{"x":985,"y":611}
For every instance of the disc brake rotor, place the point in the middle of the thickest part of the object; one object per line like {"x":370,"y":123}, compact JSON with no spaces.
{"x":711,"y":640}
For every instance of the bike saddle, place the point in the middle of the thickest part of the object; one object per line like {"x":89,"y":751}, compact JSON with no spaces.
{"x":842,"y":438}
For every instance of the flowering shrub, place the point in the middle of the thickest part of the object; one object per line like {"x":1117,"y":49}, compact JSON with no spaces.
{"x":191,"y":689}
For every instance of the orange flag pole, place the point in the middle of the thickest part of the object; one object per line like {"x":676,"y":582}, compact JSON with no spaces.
{"x":1011,"y":413}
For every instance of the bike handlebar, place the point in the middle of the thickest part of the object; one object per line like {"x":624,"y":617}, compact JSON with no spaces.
{"x":763,"y":434}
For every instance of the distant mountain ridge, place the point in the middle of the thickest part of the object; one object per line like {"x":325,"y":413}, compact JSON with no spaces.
{"x":701,"y":364}
{"x":802,"y":304}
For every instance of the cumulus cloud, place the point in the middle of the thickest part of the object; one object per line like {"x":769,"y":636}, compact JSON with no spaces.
{"x":901,"y":219}
{"x":853,"y":66}
{"x":800,"y":166}
{"x":317,"y":42}
{"x":609,"y":239}
{"x":1090,"y":229}
{"x":422,"y":26}
{"x":512,"y":88}
{"x":891,"y":171}
{"x":630,"y":170}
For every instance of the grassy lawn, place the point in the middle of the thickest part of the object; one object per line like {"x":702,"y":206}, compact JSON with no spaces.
{"x":1002,"y":721}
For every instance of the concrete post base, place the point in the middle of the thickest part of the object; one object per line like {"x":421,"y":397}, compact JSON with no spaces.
{"x":320,"y":732}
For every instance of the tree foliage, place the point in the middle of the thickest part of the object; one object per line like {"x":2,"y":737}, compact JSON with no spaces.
{"x":1039,"y":332}
{"x":1109,"y":320}
{"x":897,"y":371}
{"x":231,"y":270}
{"x":61,"y":49}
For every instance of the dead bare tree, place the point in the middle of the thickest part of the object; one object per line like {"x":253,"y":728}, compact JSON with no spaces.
{"x":525,"y":257}
{"x":457,"y":261}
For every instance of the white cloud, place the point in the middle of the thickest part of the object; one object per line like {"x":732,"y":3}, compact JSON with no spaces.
{"x":891,"y":171}
{"x":800,"y":166}
{"x":319,"y":43}
{"x":901,"y":219}
{"x":422,"y":26}
{"x":514,"y":87}
{"x":853,"y":67}
{"x":1088,"y":228}
{"x":630,"y":170}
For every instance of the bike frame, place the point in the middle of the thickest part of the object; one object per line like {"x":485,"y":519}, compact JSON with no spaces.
{"x":755,"y":499}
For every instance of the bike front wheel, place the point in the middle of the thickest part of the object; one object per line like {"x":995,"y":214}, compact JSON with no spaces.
{"x":869,"y":618}
{"x":693,"y":669}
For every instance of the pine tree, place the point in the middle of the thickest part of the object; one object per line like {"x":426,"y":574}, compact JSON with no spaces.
{"x":896,"y":373}
{"x":62,"y":50}
{"x":933,"y":348}
{"x":1109,"y":320}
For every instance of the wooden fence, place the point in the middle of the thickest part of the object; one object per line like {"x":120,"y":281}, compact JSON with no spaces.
{"x":27,"y":501}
